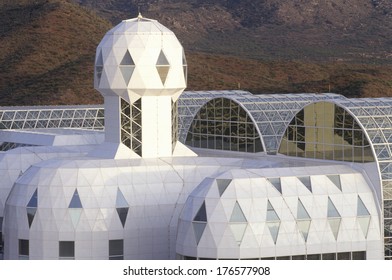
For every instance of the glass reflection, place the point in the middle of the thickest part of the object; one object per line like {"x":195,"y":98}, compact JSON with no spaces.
{"x":222,"y":124}
{"x":324,"y":130}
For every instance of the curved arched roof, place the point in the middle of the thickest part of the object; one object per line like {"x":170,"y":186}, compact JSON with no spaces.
{"x":271,"y":112}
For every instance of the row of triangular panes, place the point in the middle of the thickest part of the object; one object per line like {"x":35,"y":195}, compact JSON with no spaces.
{"x":239,"y":222}
{"x":127,"y":67}
{"x":122,"y":207}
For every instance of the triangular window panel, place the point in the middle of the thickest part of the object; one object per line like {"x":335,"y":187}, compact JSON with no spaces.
{"x":336,"y":180}
{"x":274,"y":230}
{"x":120,"y":200}
{"x":361,"y":208}
{"x":127,"y":72}
{"x":163,"y":71}
{"x":271,"y":214}
{"x":163,"y":67}
{"x":198,"y":229}
{"x":237,"y":216}
{"x":222,"y":185}
{"x":306,"y":182}
{"x":364,"y":223}
{"x":127,"y":60}
{"x":75,"y":201}
{"x":276,"y":183}
{"x":303,"y":227}
{"x":99,"y":61}
{"x":30,"y":215}
{"x":162,"y":60}
{"x":33,"y":200}
{"x":238,"y":232}
{"x":201,"y":215}
{"x":302,"y":214}
{"x":332,"y":211}
{"x":334,"y":223}
{"x":122,"y":214}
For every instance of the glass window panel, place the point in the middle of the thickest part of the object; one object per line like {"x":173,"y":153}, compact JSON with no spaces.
{"x":306,"y":181}
{"x":223,"y":117}
{"x":120,"y":200}
{"x":201,"y":215}
{"x":326,"y":131}
{"x":33,"y":200}
{"x":31,"y":214}
{"x":301,"y":211}
{"x":329,"y":256}
{"x":75,"y":201}
{"x":361,"y":208}
{"x":332,"y":211}
{"x":271,"y":214}
{"x":299,"y":257}
{"x":67,"y":249}
{"x":335,"y":179}
{"x":198,"y":229}
{"x":276,"y":183}
{"x":127,"y":72}
{"x":237,"y":216}
{"x":122,"y":214}
{"x":313,"y":257}
{"x":127,"y":60}
{"x":361,"y":255}
{"x":344,"y":256}
{"x":222,"y":185}
{"x":274,"y":230}
{"x":23,"y":247}
{"x":116,"y":249}
{"x":162,"y":60}
{"x":283,"y":258}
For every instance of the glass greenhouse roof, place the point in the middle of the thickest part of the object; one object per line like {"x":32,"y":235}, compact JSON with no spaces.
{"x":271,"y":112}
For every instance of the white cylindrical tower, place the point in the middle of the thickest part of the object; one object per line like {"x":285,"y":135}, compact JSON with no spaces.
{"x":140,"y":69}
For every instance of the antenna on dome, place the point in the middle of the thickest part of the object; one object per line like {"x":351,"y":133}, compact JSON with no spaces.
{"x":139,"y":4}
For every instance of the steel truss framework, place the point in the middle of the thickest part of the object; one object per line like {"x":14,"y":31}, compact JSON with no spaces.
{"x":270,"y":113}
{"x":86,"y":117}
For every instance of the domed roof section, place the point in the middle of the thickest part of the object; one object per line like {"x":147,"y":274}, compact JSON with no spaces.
{"x":140,"y":57}
{"x":139,"y":25}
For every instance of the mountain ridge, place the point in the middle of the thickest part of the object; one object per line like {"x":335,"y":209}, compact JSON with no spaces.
{"x":49,"y":47}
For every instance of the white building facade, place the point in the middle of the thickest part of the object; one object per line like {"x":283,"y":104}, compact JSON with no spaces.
{"x":193,"y":175}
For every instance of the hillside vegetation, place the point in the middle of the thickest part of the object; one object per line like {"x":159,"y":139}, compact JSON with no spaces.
{"x":48,"y":46}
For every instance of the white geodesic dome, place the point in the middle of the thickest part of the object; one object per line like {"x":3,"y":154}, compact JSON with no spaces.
{"x":140,"y":57}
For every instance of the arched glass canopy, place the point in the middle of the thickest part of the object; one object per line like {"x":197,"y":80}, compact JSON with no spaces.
{"x":271,"y":113}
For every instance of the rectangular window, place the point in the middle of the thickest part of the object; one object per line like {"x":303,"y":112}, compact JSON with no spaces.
{"x":23,"y":249}
{"x":344,"y":256}
{"x":66,"y":250}
{"x":300,"y":257}
{"x":116,"y":249}
{"x":313,"y":257}
{"x":329,"y":256}
{"x":359,"y":255}
{"x":283,"y":258}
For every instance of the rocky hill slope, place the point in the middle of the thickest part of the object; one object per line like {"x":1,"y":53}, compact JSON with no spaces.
{"x":48,"y":46}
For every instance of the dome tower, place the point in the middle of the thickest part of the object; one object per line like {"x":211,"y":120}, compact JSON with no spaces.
{"x":140,"y":69}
